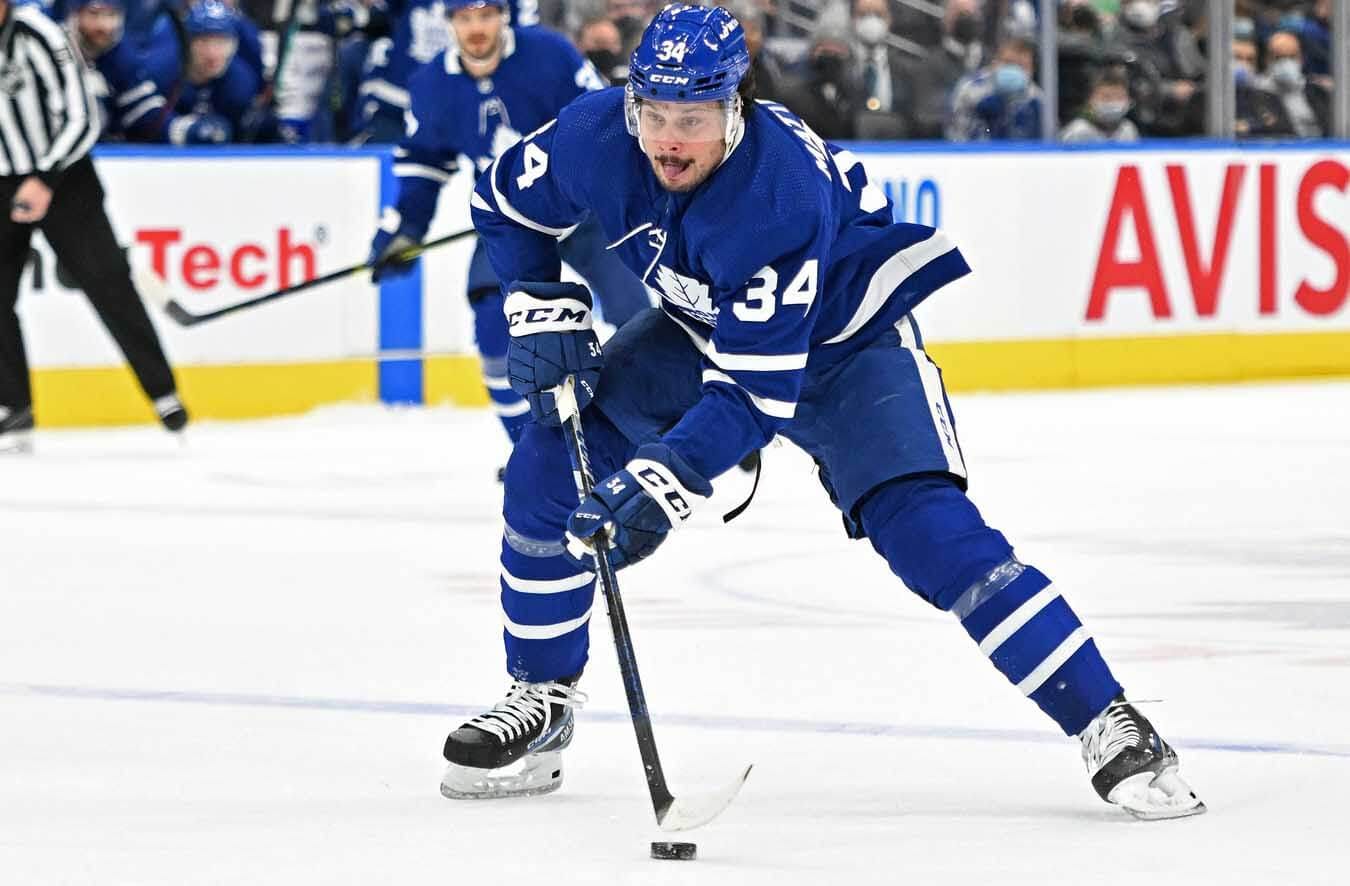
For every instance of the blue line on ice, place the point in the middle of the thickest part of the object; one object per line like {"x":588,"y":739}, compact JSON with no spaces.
{"x":697,"y":721}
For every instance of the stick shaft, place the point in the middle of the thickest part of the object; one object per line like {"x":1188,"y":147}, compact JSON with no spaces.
{"x":618,"y":621}
{"x":187,"y":318}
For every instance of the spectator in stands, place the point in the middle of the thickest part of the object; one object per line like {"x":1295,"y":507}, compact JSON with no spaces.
{"x":1082,"y":56}
{"x":630,"y":17}
{"x":1315,"y":40}
{"x":828,"y":94}
{"x":1257,"y":111}
{"x":1163,"y":76}
{"x":600,"y":41}
{"x":884,"y":80}
{"x":764,"y":67}
{"x":933,"y":77}
{"x":1103,"y":116}
{"x":212,"y":85}
{"x":1000,"y":101}
{"x":1307,"y":103}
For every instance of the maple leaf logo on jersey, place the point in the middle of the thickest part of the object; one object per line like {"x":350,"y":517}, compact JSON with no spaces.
{"x":689,"y":295}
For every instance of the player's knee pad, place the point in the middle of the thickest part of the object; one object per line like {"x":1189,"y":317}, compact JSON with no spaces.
{"x":540,"y":492}
{"x":932,"y":536}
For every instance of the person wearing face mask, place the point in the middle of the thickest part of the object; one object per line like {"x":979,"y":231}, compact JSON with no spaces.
{"x":630,"y":17}
{"x":932,"y":77}
{"x":600,"y":41}
{"x":1307,"y":103}
{"x":885,"y":89}
{"x":999,"y":102}
{"x":828,"y":94}
{"x":1165,"y":66}
{"x":1103,"y":116}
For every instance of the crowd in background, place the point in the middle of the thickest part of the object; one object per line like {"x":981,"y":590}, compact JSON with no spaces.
{"x":961,"y":70}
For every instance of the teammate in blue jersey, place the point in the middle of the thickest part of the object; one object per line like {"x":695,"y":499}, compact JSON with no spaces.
{"x":215,"y":89}
{"x":133,"y":107}
{"x":786,"y":299}
{"x":477,"y":98}
{"x":419,"y":30}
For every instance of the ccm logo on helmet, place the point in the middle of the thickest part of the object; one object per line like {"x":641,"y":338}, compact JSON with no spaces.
{"x":668,"y":78}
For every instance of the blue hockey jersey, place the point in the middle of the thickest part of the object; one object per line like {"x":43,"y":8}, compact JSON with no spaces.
{"x":454,"y":113}
{"x":230,"y":95}
{"x":786,"y":254}
{"x":133,"y":107}
{"x":420,"y":31}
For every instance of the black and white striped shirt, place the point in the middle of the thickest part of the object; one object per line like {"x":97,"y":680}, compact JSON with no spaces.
{"x":48,"y":118}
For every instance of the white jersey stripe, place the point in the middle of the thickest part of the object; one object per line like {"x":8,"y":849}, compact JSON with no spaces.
{"x":418,"y":170}
{"x":543,"y":632}
{"x":755,"y":362}
{"x":547,"y":586}
{"x":1054,"y":661}
{"x":511,"y":410}
{"x":894,"y":271}
{"x":1017,"y":619}
{"x":510,"y":211}
{"x":766,"y":405}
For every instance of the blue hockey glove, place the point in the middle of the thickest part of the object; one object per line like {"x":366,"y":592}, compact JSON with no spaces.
{"x":638,"y":506}
{"x":390,"y":242}
{"x":551,"y":338}
{"x":200,"y":129}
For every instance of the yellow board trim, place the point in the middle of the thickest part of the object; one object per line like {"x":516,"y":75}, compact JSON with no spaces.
{"x":110,"y":396}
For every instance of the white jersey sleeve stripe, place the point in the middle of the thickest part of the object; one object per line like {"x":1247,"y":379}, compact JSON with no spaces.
{"x":418,"y":170}
{"x":766,"y":405}
{"x":894,"y":271}
{"x":755,"y":362}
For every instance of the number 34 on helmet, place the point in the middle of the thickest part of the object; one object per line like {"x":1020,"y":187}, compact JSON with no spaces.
{"x":689,"y":54}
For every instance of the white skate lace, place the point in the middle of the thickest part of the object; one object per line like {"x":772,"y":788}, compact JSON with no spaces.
{"x":1114,"y":730}
{"x":525,"y":705}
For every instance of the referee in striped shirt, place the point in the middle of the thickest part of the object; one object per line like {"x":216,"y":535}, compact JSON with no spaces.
{"x":48,"y":123}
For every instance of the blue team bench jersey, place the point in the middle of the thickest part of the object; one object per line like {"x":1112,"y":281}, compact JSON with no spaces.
{"x":786,"y":254}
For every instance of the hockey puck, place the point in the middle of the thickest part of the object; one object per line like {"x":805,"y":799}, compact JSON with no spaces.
{"x":677,"y":851}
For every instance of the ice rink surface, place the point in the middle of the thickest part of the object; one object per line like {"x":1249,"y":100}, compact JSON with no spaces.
{"x":236,"y":661}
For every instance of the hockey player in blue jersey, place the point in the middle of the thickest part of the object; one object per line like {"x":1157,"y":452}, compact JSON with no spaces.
{"x":133,"y":107}
{"x":786,"y":293}
{"x":476,"y":98}
{"x":217,"y":86}
{"x":419,"y":30}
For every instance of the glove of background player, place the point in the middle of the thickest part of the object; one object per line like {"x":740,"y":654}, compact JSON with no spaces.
{"x":638,"y":506}
{"x":390,"y":241}
{"x":551,"y":338}
{"x":200,"y":129}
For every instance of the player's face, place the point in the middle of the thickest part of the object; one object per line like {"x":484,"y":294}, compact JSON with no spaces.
{"x":99,"y":27}
{"x":684,"y":141}
{"x":211,"y":54}
{"x":478,"y":31}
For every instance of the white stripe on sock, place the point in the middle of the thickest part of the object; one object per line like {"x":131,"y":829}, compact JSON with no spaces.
{"x":547,"y":586}
{"x":1017,"y":618}
{"x":543,"y":632}
{"x":1054,"y":661}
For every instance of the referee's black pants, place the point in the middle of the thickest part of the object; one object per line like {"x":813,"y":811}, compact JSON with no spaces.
{"x":82,"y":238}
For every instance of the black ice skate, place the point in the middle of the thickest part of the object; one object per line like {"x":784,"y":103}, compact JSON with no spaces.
{"x":1132,"y":767}
{"x":16,"y":430}
{"x":515,"y":749}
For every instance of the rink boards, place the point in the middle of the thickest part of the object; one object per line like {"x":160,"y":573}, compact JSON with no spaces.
{"x":1156,"y":264}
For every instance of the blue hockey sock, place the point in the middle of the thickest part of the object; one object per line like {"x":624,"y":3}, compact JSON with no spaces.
{"x":493,"y":337}
{"x":935,"y":540}
{"x":546,"y":598}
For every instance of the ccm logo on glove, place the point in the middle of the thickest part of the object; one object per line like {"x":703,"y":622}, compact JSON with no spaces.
{"x":527,"y":315}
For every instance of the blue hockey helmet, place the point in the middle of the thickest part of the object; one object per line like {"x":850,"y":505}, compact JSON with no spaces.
{"x":689,"y":54}
{"x":210,"y":17}
{"x":452,"y":5}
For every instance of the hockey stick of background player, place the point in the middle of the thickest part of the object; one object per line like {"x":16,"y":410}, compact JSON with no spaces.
{"x":672,"y":813}
{"x":150,"y":284}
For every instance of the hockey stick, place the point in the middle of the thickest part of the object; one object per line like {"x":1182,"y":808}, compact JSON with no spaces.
{"x":152,"y":285}
{"x":672,"y":813}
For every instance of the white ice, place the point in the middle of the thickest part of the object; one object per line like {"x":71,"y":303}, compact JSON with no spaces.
{"x":235,"y":661}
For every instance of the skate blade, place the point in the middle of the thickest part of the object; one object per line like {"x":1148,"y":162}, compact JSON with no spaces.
{"x":686,"y":813}
{"x":17,"y":443}
{"x":538,"y":774}
{"x":1159,"y":797}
